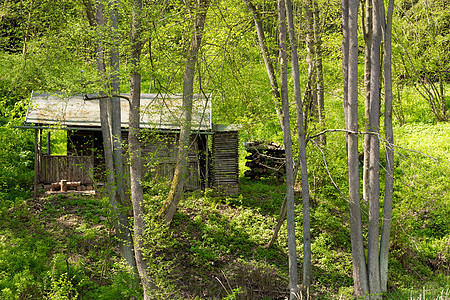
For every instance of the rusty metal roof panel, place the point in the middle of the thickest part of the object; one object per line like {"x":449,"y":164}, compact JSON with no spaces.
{"x":158,"y":111}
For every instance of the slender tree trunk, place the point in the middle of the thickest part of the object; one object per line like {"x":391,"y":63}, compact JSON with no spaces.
{"x":302,"y":150}
{"x":115,"y":108}
{"x":280,"y":222}
{"x":367,"y":33}
{"x":374,"y":161}
{"x":267,"y":61}
{"x":311,"y":92}
{"x":119,"y":216}
{"x":181,"y":170}
{"x":290,"y":206}
{"x":350,"y":56}
{"x":319,"y":74}
{"x":345,"y":48}
{"x":137,"y":193}
{"x":389,"y":176}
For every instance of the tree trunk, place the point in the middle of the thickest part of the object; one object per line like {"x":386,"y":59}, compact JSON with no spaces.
{"x":345,"y":47}
{"x":350,"y":56}
{"x":120,"y":219}
{"x":267,"y":61}
{"x":311,"y":92}
{"x":280,"y":222}
{"x":367,"y":33}
{"x":115,"y":108}
{"x":137,"y":193}
{"x":374,"y":160}
{"x":290,"y":206}
{"x":389,"y":176}
{"x":302,"y":150}
{"x":181,"y":170}
{"x":319,"y":75}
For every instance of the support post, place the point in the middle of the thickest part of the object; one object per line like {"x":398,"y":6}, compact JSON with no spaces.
{"x":48,"y":143}
{"x":36,"y":162}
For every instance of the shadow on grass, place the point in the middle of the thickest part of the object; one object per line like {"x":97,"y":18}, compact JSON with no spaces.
{"x":217,"y":255}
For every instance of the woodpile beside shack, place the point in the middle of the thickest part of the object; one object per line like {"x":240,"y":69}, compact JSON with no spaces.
{"x":213,"y":153}
{"x":265,"y":159}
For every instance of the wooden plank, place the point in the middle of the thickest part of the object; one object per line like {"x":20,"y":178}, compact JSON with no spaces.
{"x":159,"y":152}
{"x":72,"y":168}
{"x":225,"y":156}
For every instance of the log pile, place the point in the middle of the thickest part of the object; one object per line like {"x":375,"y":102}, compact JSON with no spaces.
{"x":265,"y":159}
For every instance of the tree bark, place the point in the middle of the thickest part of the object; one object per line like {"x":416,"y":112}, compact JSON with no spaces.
{"x":367,"y":34}
{"x":345,"y":47}
{"x":319,"y":75}
{"x":311,"y":91}
{"x":137,"y":193}
{"x":374,"y":160}
{"x":290,"y":206}
{"x":389,"y":176}
{"x":350,"y":72}
{"x":115,"y":108}
{"x":302,"y":150}
{"x":181,"y":170}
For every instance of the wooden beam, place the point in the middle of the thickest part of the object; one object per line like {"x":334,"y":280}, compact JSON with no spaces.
{"x":48,"y":143}
{"x":35,"y":162}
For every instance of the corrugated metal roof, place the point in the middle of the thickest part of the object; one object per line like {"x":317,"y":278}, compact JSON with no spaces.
{"x":157,"y":111}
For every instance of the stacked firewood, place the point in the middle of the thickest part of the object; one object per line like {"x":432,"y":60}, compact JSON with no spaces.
{"x":265,"y":159}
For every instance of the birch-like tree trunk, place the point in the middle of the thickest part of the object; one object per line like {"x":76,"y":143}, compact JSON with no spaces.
{"x":302,"y":149}
{"x":290,"y":206}
{"x":135,"y":153}
{"x":350,"y":72}
{"x":367,"y":34}
{"x":389,"y":135}
{"x":181,"y":169}
{"x":311,"y":92}
{"x":319,"y":73}
{"x":373,"y":262}
{"x":275,"y":94}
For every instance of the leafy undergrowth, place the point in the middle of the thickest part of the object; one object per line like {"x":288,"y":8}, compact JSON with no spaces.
{"x":58,"y":247}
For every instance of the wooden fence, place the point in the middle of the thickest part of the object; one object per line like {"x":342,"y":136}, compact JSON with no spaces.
{"x":54,"y":168}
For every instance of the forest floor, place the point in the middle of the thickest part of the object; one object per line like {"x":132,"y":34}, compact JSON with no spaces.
{"x":63,"y":245}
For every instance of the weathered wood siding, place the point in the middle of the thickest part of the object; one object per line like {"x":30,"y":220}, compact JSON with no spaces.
{"x":159,"y":153}
{"x":54,"y":168}
{"x":225,"y":162}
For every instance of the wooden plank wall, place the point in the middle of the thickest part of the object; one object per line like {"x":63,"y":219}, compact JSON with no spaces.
{"x":54,"y":168}
{"x":159,"y":153}
{"x":225,"y":162}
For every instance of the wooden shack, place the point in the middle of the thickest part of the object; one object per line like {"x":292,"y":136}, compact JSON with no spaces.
{"x":213,"y":153}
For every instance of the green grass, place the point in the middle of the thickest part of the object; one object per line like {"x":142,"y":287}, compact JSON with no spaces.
{"x":57,"y":247}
